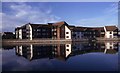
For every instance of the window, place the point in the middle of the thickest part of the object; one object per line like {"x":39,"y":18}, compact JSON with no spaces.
{"x":43,"y":29}
{"x":67,"y":49}
{"x":55,"y":33}
{"x":34,"y":29}
{"x":67,"y":32}
{"x":110,"y":47}
{"x":67,"y":45}
{"x":38,"y":29}
{"x":43,"y":33}
{"x":110,"y":32}
{"x":67,"y":37}
{"x":110,"y":36}
{"x":52,"y":29}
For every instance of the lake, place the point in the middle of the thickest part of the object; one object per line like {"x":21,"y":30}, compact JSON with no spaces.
{"x":88,"y":56}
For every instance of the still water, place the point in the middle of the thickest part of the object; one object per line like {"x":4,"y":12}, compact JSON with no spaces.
{"x":61,"y":57}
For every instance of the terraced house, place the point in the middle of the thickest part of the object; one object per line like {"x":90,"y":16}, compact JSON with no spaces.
{"x":61,"y":30}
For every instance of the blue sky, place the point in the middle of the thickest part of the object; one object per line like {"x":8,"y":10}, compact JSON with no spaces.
{"x":90,"y":14}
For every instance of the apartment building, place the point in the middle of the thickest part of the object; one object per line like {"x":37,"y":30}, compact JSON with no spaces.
{"x":7,"y":35}
{"x":61,"y":30}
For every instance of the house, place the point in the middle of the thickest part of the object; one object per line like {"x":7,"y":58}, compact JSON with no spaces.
{"x":8,"y":35}
{"x":111,"y":31}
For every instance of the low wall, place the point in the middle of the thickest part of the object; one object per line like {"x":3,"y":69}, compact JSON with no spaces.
{"x":108,"y":39}
{"x":47,"y":41}
{"x":55,"y":41}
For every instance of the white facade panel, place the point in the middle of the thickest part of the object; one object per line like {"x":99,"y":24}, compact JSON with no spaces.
{"x":20,"y":33}
{"x":30,"y":32}
{"x":31,"y":51}
{"x":20,"y":50}
{"x":67,"y":33}
{"x":68,"y":49}
{"x":108,"y":34}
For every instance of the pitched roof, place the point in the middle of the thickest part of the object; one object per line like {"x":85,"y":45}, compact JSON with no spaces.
{"x":8,"y":32}
{"x":88,"y":28}
{"x":98,"y":28}
{"x":79,"y":28}
{"x":59,"y":24}
{"x":38,"y":25}
{"x":17,"y":28}
{"x":110,"y":28}
{"x":22,"y":27}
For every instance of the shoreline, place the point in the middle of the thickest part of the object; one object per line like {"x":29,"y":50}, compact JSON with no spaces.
{"x":55,"y":41}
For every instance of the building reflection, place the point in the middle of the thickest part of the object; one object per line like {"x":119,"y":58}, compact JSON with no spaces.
{"x":64,"y":51}
{"x":31,"y":52}
{"x":111,"y":47}
{"x":106,"y":47}
{"x":7,"y":47}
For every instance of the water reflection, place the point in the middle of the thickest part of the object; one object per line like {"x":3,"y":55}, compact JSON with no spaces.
{"x":31,"y":52}
{"x":62,"y":51}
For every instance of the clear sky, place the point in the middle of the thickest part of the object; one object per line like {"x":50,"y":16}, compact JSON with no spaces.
{"x":90,"y":14}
